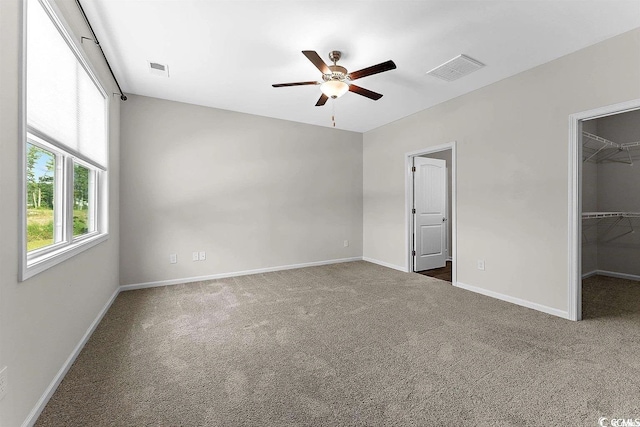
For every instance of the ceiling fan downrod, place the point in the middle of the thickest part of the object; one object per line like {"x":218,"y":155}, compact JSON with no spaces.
{"x":334,"y":56}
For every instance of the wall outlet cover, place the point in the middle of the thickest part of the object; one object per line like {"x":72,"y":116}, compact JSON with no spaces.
{"x":480,"y":264}
{"x":173,"y":258}
{"x":203,"y":255}
{"x":195,"y":256}
{"x":346,"y":243}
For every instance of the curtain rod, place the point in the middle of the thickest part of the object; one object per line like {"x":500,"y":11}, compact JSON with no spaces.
{"x":95,"y":40}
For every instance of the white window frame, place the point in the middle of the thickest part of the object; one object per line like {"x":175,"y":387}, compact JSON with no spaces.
{"x":39,"y":260}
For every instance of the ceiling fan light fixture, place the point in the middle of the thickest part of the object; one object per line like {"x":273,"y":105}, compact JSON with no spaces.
{"x":334,"y":88}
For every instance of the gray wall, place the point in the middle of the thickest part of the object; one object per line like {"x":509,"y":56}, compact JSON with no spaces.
{"x":512,"y":167}
{"x":619,"y":191}
{"x":43,"y":319}
{"x":253,"y":192}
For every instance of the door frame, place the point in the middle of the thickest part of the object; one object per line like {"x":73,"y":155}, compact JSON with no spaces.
{"x":408,"y":179}
{"x":575,"y":198}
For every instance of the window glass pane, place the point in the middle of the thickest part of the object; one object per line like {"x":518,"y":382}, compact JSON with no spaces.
{"x":41,"y":167}
{"x":82,"y":200}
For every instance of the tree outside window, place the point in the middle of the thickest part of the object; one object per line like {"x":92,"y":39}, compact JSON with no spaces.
{"x":40,"y":197}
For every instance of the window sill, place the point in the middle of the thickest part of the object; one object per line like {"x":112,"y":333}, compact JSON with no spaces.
{"x":39,"y":264}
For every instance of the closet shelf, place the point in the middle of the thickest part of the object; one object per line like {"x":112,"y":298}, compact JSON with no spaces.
{"x":618,"y":220}
{"x":598,"y":149}
{"x":600,"y":215}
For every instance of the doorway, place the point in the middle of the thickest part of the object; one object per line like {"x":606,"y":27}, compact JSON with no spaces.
{"x":431,"y":211}
{"x":599,"y":236}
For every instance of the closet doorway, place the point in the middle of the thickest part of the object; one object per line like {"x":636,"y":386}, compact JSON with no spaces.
{"x":431,"y":212}
{"x":607,"y":279}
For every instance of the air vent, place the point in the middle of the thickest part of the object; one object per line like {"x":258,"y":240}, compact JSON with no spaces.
{"x":458,"y":67}
{"x":158,"y":69}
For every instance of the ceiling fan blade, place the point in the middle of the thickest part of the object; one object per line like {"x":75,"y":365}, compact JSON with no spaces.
{"x":295,"y":84}
{"x":313,"y":56}
{"x":374,"y":69}
{"x":365,"y":92}
{"x":322,"y":100}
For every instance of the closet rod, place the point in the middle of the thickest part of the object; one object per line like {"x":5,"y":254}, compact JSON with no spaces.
{"x":95,"y":40}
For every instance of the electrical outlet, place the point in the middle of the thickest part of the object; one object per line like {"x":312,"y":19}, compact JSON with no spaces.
{"x":3,"y":383}
{"x":173,"y":258}
{"x":195,"y":256}
{"x":203,"y":255}
{"x":480,"y":264}
{"x":346,"y":243}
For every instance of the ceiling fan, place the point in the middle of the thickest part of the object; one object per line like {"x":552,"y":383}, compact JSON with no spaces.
{"x":336,"y":81}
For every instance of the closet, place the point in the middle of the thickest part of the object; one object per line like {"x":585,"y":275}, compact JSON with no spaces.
{"x":611,"y":196}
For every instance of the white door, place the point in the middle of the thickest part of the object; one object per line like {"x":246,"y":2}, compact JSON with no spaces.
{"x":430,"y":201}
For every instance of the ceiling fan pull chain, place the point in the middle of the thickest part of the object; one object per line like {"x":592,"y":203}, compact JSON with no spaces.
{"x":333,"y":116}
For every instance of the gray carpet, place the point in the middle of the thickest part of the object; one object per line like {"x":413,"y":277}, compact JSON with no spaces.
{"x":352,"y":344}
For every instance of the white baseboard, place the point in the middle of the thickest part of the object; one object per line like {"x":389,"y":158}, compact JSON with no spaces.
{"x":617,"y":275}
{"x":42,"y":402}
{"x":158,"y":283}
{"x":589,"y":274}
{"x":514,"y":300}
{"x":384,"y":264}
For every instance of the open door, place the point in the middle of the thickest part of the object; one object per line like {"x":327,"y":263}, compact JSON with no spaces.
{"x":430,"y":207}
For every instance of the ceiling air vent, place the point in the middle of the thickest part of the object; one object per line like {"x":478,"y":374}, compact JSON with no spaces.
{"x":458,"y":67}
{"x":158,"y":69}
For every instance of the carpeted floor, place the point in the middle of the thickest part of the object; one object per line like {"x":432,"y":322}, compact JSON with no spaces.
{"x":352,"y":344}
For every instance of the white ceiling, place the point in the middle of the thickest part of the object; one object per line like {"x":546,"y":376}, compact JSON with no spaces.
{"x":226,"y":54}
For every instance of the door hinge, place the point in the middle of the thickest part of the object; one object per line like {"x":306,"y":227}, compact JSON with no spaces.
{"x":413,"y":211}
{"x":413,"y":253}
{"x":413,"y":168}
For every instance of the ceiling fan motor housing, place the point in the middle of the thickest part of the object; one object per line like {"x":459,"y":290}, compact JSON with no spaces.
{"x":337,"y":73}
{"x":334,"y":56}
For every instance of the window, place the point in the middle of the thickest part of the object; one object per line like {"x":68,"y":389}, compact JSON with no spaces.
{"x":65,"y":146}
